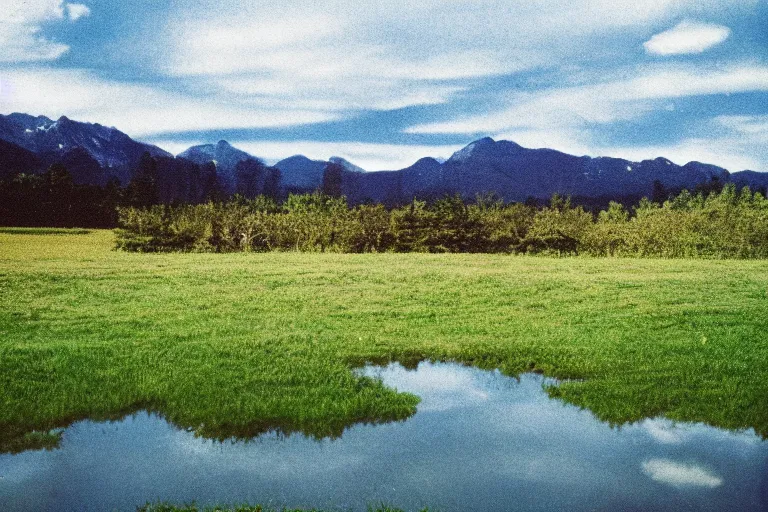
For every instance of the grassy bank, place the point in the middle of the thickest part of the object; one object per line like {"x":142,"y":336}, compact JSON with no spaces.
{"x":234,"y":344}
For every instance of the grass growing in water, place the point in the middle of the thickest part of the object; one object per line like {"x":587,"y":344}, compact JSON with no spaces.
{"x":236,"y":344}
{"x":34,"y":441}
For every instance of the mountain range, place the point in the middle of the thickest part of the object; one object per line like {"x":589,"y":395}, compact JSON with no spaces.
{"x":94,"y":153}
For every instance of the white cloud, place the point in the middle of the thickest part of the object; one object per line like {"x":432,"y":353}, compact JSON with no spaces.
{"x":574,"y":142}
{"x":77,"y":11}
{"x":369,"y":156}
{"x":394,"y":54}
{"x":441,"y":387}
{"x":22,"y":43}
{"x":754,"y":127}
{"x":734,"y":142}
{"x":606,"y":102}
{"x":411,"y":32}
{"x":364,"y":77}
{"x":237,"y":46}
{"x":731,"y":153}
{"x":31,"y":11}
{"x":138,"y":110}
{"x":361,"y":94}
{"x":687,"y":37}
{"x":679,"y":475}
{"x":21,"y":37}
{"x":664,"y":431}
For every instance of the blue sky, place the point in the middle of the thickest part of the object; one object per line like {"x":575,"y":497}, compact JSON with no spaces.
{"x":385,"y":83}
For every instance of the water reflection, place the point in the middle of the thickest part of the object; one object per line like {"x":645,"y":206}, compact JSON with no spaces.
{"x":479,"y":441}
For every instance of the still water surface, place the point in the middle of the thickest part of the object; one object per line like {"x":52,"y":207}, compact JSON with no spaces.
{"x":479,"y":441}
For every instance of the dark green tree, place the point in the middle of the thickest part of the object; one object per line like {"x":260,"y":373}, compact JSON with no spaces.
{"x":272,"y":183}
{"x":143,"y":190}
{"x":659,"y":193}
{"x":333,"y":174}
{"x":58,"y":196}
{"x":248,"y":176}
{"x":211,"y":185}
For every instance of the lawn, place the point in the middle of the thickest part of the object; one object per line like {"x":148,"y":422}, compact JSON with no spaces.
{"x":236,"y":344}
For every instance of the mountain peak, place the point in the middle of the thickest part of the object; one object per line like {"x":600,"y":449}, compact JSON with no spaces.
{"x":223,"y":154}
{"x":346,"y":164}
{"x":27,"y":120}
{"x":295,"y":158}
{"x":470,"y":150}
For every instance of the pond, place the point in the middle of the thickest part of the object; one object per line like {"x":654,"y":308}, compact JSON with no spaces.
{"x":479,"y":441}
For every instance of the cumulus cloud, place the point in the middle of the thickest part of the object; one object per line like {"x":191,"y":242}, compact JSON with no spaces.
{"x":77,"y":11}
{"x":687,"y":37}
{"x":21,"y":32}
{"x":31,"y":11}
{"x":679,"y":475}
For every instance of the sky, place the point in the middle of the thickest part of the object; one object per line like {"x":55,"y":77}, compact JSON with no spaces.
{"x":386,"y":82}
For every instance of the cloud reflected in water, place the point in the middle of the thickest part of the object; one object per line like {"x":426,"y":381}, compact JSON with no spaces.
{"x":678,"y":474}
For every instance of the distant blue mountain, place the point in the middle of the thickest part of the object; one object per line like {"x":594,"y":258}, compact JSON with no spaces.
{"x":300,"y":173}
{"x":752,"y":179}
{"x":516,"y":173}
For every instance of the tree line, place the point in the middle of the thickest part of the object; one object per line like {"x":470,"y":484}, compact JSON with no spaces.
{"x":725,"y":223}
{"x":55,"y":199}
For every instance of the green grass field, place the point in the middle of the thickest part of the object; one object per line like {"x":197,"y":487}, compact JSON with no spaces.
{"x":232,"y":345}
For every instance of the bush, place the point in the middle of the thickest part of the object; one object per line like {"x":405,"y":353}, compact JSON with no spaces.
{"x":725,"y":224}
